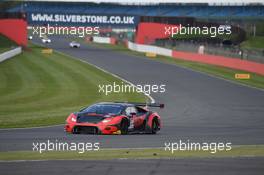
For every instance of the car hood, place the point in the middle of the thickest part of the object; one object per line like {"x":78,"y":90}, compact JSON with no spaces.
{"x":91,"y":118}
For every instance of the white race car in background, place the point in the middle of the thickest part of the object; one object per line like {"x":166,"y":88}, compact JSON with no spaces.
{"x":30,"y":37}
{"x":46,"y":40}
{"x":75,"y":44}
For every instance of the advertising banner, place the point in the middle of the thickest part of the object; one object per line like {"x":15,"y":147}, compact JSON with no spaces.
{"x":81,"y":19}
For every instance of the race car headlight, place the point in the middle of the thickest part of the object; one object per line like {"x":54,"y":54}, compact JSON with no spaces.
{"x":73,"y":119}
{"x":106,"y":120}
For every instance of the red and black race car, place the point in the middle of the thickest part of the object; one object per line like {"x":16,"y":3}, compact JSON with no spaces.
{"x":115,"y":118}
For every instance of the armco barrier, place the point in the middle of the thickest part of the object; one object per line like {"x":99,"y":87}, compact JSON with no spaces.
{"x":9,"y":54}
{"x":221,"y":61}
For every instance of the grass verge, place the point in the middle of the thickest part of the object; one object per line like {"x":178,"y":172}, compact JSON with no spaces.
{"x":106,"y":154}
{"x":223,"y":72}
{"x":5,"y":44}
{"x":254,"y":43}
{"x":39,"y":89}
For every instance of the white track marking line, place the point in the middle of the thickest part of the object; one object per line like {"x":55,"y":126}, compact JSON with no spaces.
{"x":114,"y":75}
{"x":36,"y":127}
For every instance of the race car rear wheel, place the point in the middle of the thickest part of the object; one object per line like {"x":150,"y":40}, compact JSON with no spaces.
{"x":155,"y":126}
{"x":124,"y":127}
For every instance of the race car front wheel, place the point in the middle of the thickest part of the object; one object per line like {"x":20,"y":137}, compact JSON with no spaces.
{"x":124,"y":127}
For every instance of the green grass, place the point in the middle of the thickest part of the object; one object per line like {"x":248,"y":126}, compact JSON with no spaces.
{"x":156,"y":153}
{"x":223,"y":72}
{"x":42,"y":89}
{"x":254,"y":42}
{"x":5,"y":44}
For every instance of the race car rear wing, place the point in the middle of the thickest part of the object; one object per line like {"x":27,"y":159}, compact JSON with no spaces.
{"x":159,"y":105}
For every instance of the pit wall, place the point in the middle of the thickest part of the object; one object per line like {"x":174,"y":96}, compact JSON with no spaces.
{"x":233,"y":63}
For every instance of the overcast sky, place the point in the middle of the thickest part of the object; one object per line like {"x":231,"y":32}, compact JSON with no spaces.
{"x":226,"y":2}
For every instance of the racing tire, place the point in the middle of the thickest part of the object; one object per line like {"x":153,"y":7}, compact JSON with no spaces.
{"x":155,"y":126}
{"x":124,"y":127}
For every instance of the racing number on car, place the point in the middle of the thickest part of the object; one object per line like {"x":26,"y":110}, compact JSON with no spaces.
{"x":129,"y":111}
{"x":131,"y":126}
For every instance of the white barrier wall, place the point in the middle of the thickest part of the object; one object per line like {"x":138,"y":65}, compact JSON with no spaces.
{"x":9,"y":54}
{"x":149,"y":48}
{"x":137,"y":47}
{"x":98,"y":39}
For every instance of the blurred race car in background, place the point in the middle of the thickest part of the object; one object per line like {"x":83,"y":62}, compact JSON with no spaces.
{"x":115,"y":118}
{"x":46,"y":40}
{"x":75,"y":44}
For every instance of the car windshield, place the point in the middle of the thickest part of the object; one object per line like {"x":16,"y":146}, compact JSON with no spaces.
{"x":104,"y":109}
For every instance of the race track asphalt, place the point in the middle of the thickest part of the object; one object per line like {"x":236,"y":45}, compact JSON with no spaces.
{"x":197,"y":166}
{"x":198,"y":107}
